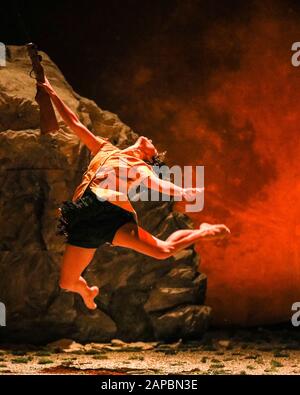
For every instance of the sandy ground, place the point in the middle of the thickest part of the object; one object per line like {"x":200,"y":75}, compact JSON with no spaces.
{"x":259,"y":351}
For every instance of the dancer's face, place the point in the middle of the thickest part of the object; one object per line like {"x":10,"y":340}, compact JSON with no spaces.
{"x":146,"y":148}
{"x":143,"y":149}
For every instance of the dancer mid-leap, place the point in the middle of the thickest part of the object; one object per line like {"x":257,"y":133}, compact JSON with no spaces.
{"x":99,"y":213}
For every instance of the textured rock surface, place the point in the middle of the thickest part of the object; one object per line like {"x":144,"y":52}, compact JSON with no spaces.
{"x":141,"y":298}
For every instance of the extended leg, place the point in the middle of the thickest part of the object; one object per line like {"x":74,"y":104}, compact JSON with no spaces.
{"x":75,"y":260}
{"x":138,"y":239}
{"x":183,"y":237}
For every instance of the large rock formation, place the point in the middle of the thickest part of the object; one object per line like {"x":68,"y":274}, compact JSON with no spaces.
{"x":141,"y":298}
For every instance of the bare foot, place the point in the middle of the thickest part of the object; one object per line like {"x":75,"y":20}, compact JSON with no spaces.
{"x":90,"y":296}
{"x":210,"y":232}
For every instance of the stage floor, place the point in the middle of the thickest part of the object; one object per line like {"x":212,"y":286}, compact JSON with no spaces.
{"x":256,"y":351}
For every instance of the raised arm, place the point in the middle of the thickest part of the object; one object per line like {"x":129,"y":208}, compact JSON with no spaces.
{"x":71,"y":119}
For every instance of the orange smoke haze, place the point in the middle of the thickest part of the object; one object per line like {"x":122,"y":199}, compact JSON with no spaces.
{"x":239,"y":116}
{"x":254,"y":278}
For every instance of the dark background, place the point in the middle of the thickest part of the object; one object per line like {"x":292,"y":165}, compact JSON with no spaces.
{"x":95,"y":42}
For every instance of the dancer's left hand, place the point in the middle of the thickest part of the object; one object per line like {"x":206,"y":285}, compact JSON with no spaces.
{"x":190,"y":194}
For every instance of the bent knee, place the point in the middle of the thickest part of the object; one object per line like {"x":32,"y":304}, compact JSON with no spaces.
{"x":65,"y":283}
{"x":164,"y":252}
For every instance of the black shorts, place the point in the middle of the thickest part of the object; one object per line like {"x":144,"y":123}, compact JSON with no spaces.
{"x":90,"y":222}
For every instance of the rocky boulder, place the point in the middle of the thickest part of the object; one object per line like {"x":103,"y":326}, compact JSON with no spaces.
{"x":140,"y":298}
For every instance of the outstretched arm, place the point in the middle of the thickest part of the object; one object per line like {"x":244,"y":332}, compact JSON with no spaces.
{"x":168,"y":188}
{"x":71,"y":119}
